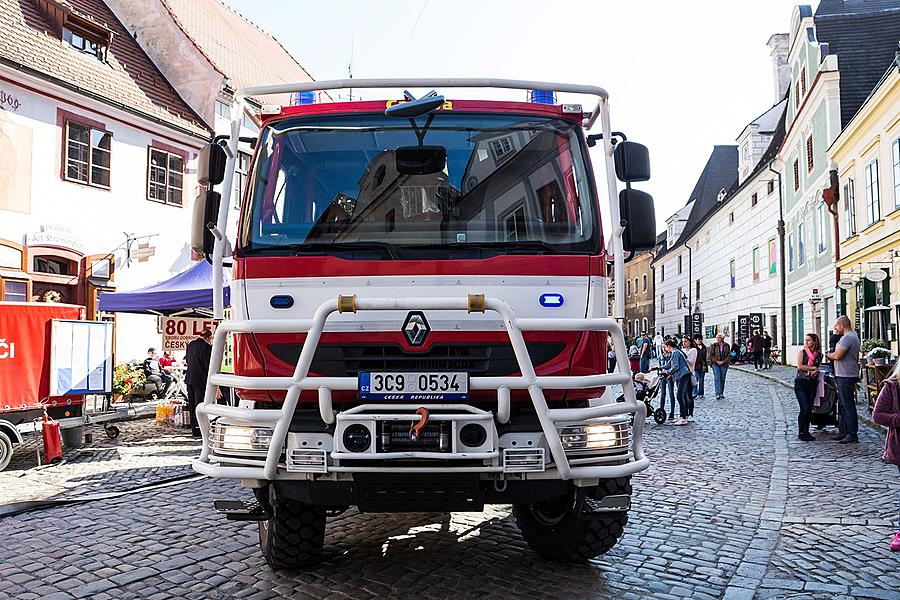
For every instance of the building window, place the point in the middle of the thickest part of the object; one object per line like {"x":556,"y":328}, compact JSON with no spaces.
{"x":637,"y":327}
{"x":644,"y":325}
{"x":13,"y":290}
{"x":895,"y":155}
{"x":873,"y":198}
{"x":791,"y":251}
{"x":809,"y":155}
{"x":628,"y":288}
{"x":755,"y":259}
{"x":85,"y":40}
{"x":662,"y":272}
{"x":803,"y":81}
{"x":88,"y":153}
{"x":662,"y":304}
{"x":242,"y":166}
{"x":697,"y":294}
{"x":679,"y":265}
{"x":501,"y":148}
{"x":773,"y":258}
{"x":770,"y":187}
{"x":515,"y":224}
{"x":849,"y":209}
{"x":223,"y":111}
{"x":796,"y":94}
{"x":753,"y":200}
{"x":644,"y":282}
{"x":732,"y":274}
{"x":796,"y":174}
{"x":678,"y":301}
{"x":797,"y":333}
{"x":165,"y":177}
{"x":53,"y":266}
{"x":801,"y":245}
{"x":635,"y":286}
{"x":745,"y":151}
{"x":822,"y":232}
{"x":730,"y":218}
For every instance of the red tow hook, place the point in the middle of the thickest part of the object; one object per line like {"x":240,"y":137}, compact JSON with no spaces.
{"x":417,"y":428}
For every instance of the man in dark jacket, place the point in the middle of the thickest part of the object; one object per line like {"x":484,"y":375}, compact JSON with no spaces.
{"x":767,"y":350}
{"x":197,"y":357}
{"x":756,"y":350}
{"x":719,"y":357}
{"x":700,"y":365}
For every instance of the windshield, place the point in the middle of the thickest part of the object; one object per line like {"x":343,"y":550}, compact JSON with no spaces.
{"x":359,"y":184}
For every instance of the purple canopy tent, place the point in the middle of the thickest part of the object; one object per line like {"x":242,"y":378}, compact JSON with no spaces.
{"x":187,"y":294}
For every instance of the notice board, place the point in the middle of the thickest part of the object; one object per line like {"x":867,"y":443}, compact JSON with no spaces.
{"x":80,"y":357}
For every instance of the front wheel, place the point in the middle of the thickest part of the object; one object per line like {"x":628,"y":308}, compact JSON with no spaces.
{"x":659,"y":415}
{"x":6,"y":450}
{"x":553,"y":530}
{"x":293,"y":536}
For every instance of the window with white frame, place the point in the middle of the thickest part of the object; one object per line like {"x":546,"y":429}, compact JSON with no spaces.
{"x":662,"y":272}
{"x":678,"y":300}
{"x":223,"y":111}
{"x":801,"y":244}
{"x":662,"y":304}
{"x":791,"y":251}
{"x":88,"y":153}
{"x":241,"y":167}
{"x":679,"y":264}
{"x":821,"y":228}
{"x":644,"y":282}
{"x":895,"y":157}
{"x":873,"y":197}
{"x":628,"y":288}
{"x":644,"y":325}
{"x":849,"y":197}
{"x":165,"y":177}
{"x":514,"y":223}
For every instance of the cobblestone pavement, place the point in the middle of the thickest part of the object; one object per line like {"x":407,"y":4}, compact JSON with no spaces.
{"x":143,"y":453}
{"x":732,"y":507}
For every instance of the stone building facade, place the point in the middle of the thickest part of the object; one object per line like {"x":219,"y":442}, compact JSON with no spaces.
{"x":639,"y":316}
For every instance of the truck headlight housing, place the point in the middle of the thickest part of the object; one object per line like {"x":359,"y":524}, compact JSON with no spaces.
{"x":596,"y":437}
{"x":239,"y":439}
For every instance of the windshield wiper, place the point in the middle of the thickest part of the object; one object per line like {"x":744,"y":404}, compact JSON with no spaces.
{"x":509,"y":247}
{"x":324,"y":248}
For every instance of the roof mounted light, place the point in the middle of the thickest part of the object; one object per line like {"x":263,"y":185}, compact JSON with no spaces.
{"x":269,"y":109}
{"x":303,"y":98}
{"x":542,"y":96}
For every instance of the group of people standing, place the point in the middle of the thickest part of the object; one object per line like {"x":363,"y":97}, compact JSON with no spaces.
{"x":759,"y":347}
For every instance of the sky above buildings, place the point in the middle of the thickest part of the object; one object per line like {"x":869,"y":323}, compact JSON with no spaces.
{"x":682,"y":76}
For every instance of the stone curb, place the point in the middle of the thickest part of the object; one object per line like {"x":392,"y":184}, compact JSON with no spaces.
{"x":862,"y":416}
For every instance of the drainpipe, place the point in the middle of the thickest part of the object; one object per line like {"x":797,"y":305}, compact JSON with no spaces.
{"x":782,"y":267}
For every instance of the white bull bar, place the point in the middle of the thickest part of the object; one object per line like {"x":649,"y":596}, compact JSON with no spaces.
{"x":279,"y":419}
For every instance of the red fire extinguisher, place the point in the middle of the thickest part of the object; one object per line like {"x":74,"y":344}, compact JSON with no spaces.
{"x":52,"y":440}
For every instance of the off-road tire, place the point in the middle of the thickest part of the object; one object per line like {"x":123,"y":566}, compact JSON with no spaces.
{"x":569,"y":538}
{"x":6,"y":450}
{"x":293,"y":537}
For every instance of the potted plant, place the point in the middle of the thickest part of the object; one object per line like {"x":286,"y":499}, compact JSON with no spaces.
{"x":876,"y":351}
{"x":125,"y":379}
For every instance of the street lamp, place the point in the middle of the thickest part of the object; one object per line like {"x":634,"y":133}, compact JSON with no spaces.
{"x":684,"y":300}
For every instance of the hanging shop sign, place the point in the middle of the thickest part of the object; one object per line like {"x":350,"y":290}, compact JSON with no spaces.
{"x":743,"y":327}
{"x":845,"y":283}
{"x":756,"y":322}
{"x":876,"y":275}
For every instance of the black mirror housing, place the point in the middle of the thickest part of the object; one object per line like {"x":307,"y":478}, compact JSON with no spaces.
{"x":420,"y":160}
{"x":637,"y":211}
{"x":632,"y":162}
{"x":211,"y":165}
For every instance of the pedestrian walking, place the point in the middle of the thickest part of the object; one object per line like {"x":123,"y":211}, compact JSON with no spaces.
{"x":756,"y":350}
{"x":846,"y":375}
{"x":658,"y":344}
{"x":646,"y":345}
{"x":887,"y":414}
{"x":197,"y":356}
{"x":767,"y":350}
{"x":667,"y":385}
{"x":808,"y":383}
{"x":680,"y":374}
{"x":700,"y":366}
{"x":690,"y":355}
{"x":719,"y":358}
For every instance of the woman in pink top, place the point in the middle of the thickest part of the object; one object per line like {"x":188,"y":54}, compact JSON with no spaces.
{"x":887,"y":414}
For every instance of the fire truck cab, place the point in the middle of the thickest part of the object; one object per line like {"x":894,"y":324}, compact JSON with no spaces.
{"x":420,"y":313}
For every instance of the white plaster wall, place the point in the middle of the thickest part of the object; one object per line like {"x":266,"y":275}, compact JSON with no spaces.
{"x":99,"y":217}
{"x":667,"y":322}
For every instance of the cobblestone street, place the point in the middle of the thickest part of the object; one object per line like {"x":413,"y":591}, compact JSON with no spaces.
{"x":733,"y":506}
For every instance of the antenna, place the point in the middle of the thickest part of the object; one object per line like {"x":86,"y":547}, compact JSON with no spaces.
{"x":350,"y":64}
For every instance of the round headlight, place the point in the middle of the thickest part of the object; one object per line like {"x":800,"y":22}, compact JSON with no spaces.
{"x":472,"y":435}
{"x":357,"y":438}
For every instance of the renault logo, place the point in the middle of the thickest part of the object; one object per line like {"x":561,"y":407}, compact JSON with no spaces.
{"x":416,"y":328}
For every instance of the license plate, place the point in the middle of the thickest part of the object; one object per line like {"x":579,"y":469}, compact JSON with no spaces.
{"x":376,"y":385}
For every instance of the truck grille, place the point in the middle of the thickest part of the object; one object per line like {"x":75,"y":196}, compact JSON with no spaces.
{"x":490,"y":360}
{"x":393,"y":436}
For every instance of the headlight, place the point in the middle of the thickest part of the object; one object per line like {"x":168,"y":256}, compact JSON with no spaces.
{"x":595,"y":436}
{"x":239,"y":439}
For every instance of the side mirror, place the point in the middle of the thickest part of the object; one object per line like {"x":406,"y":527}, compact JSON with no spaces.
{"x":636,"y":210}
{"x":211,"y":165}
{"x":206,"y":211}
{"x":420,"y":160}
{"x":632,"y":162}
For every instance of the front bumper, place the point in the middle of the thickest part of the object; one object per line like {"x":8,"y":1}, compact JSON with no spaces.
{"x":596,"y":442}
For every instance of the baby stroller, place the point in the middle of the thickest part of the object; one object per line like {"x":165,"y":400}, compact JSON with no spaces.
{"x":646,"y":388}
{"x":826,"y":412}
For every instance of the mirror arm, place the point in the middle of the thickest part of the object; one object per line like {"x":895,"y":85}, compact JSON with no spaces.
{"x":595,"y":137}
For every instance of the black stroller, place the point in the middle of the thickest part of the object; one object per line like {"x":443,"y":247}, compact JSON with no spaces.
{"x":645,"y":391}
{"x":826,"y":412}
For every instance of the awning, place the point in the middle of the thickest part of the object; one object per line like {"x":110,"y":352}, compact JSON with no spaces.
{"x":188,"y":293}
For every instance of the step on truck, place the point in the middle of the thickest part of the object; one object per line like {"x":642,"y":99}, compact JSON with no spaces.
{"x":420,"y":313}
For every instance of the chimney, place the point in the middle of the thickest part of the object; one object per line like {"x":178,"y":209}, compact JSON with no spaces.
{"x":781,"y":70}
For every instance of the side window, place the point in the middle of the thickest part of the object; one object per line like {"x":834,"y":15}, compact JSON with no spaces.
{"x":88,"y":153}
{"x":165,"y":177}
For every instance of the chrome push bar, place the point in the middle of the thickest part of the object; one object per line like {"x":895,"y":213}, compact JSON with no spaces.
{"x":279,"y":419}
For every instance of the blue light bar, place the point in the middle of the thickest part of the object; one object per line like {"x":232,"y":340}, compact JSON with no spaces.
{"x":552,"y":300}
{"x":303,"y":98}
{"x":542,"y":96}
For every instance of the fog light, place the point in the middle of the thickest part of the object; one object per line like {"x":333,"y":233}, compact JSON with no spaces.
{"x":595,"y":436}
{"x":242,"y":439}
{"x":472,"y":435}
{"x":357,"y":438}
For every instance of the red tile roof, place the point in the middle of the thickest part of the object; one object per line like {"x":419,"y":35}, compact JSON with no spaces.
{"x":128,"y":79}
{"x":237,"y":48}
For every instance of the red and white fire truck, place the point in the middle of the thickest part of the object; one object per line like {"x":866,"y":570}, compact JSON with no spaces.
{"x":419,"y":312}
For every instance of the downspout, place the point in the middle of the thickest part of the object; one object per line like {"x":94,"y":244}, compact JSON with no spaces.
{"x":782,"y":266}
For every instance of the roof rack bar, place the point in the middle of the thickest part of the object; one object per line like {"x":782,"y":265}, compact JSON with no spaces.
{"x":435,"y":82}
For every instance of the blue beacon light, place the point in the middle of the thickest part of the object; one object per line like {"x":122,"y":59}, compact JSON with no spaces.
{"x":552,"y":300}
